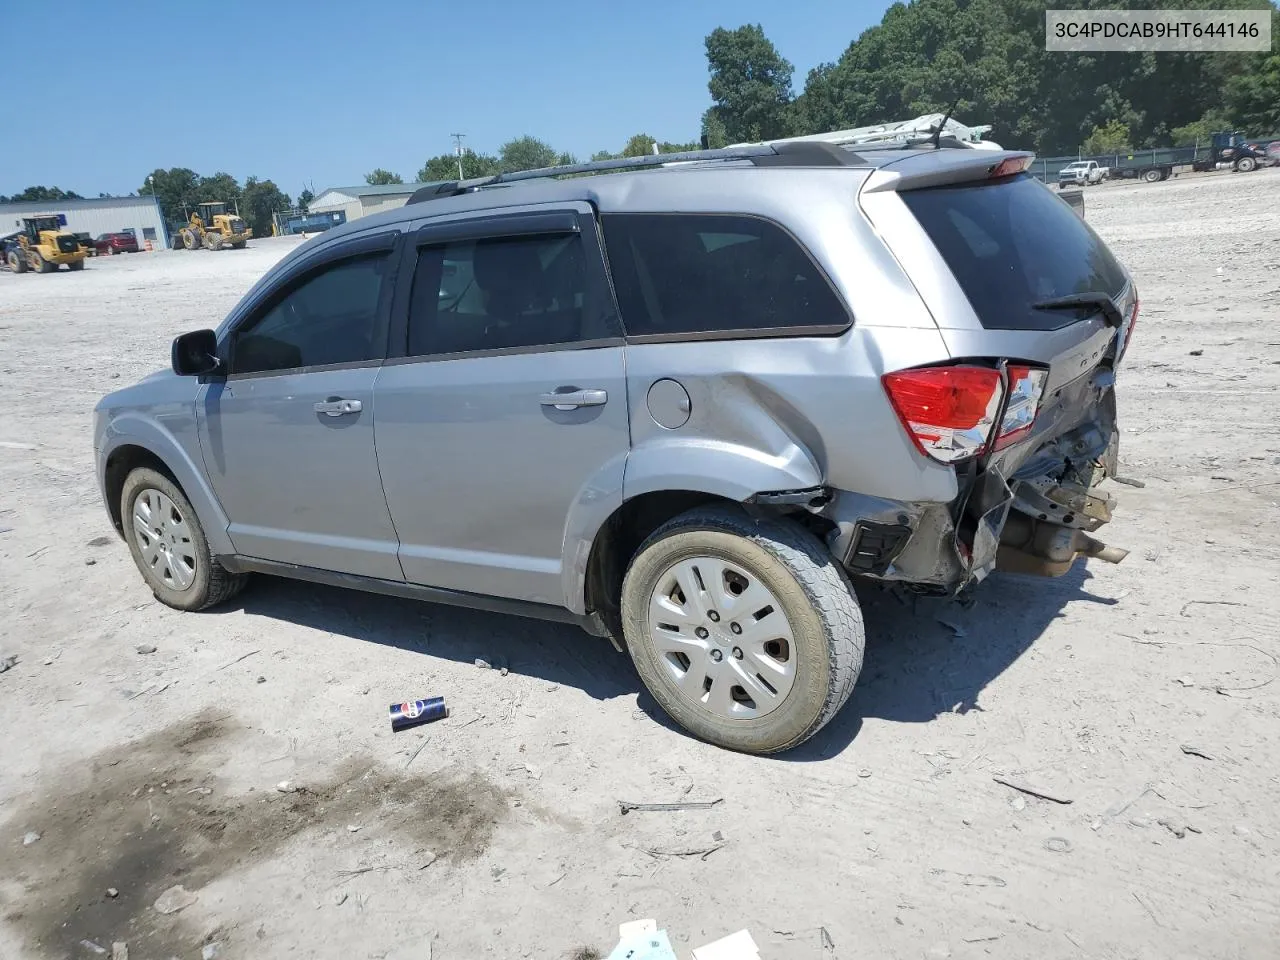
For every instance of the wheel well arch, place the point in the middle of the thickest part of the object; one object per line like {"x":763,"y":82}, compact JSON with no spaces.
{"x":621,"y":535}
{"x":120,"y":463}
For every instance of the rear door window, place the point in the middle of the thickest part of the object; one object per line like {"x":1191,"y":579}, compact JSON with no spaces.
{"x":691,"y":274}
{"x":1011,"y":244}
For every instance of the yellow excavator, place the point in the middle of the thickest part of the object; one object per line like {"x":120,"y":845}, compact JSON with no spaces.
{"x":42,"y":245}
{"x":213,"y":228}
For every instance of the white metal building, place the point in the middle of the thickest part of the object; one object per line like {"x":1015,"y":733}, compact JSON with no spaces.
{"x":363,"y":200}
{"x":96,"y":217}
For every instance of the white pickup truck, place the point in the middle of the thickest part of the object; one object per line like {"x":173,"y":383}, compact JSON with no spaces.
{"x":1082,"y":173}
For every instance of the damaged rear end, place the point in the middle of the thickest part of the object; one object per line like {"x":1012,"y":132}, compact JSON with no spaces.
{"x":1035,"y":313}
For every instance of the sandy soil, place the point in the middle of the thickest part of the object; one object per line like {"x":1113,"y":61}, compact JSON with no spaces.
{"x":1143,"y":694}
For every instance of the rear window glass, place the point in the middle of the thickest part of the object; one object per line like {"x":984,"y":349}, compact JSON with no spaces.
{"x":680,"y":274}
{"x":1011,"y":244}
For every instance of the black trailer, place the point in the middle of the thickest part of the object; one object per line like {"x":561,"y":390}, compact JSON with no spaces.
{"x":1225,"y":149}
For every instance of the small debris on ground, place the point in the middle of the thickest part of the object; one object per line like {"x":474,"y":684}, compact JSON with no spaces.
{"x":339,"y":898}
{"x":210,"y":950}
{"x":353,"y":828}
{"x":89,"y":561}
{"x":627,"y":807}
{"x":1197,"y":353}
{"x":736,"y":946}
{"x":29,"y":838}
{"x":1195,"y":752}
{"x":286,"y":786}
{"x":262,"y":680}
{"x":1058,"y":845}
{"x":112,"y":892}
{"x":864,"y":773}
{"x":93,"y":947}
{"x":9,"y":662}
{"x":1130,"y":482}
{"x":119,"y":951}
{"x":1030,"y":790}
{"x":146,"y":648}
{"x":483,"y":664}
{"x":174,"y":899}
{"x":99,"y":541}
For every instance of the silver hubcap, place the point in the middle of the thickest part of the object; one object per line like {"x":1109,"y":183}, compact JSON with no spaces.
{"x":164,"y":540}
{"x":722,"y":637}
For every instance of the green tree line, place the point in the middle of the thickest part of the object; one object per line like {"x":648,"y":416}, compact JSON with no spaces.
{"x":989,"y":57}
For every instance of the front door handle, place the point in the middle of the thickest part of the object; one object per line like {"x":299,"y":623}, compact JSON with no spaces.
{"x":337,"y":407}
{"x":572,"y":399}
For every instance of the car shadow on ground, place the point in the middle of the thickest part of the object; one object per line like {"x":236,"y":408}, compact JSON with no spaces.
{"x":924,"y":657}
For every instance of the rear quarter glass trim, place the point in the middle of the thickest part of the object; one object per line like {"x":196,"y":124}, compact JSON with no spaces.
{"x":729,"y":334}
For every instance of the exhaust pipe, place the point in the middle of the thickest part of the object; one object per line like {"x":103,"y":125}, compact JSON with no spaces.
{"x":1046,"y":549}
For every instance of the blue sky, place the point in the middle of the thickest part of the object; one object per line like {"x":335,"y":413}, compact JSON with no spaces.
{"x":323,"y":91}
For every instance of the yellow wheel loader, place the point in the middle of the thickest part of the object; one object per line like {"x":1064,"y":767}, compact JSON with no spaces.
{"x":42,"y":245}
{"x":212,"y":228}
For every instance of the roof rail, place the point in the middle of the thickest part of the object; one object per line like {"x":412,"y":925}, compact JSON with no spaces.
{"x":822,"y":149}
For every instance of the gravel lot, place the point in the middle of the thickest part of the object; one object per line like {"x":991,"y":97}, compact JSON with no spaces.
{"x":1141,"y":693}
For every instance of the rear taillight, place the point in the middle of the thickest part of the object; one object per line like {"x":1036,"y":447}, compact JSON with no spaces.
{"x":1026,"y":384}
{"x":949,"y":412}
{"x":1128,"y":333}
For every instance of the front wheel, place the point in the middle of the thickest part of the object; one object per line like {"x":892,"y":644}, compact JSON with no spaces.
{"x":1152,"y":176}
{"x":169,"y":546}
{"x":746,"y":631}
{"x":1247,"y":164}
{"x":17,"y":262}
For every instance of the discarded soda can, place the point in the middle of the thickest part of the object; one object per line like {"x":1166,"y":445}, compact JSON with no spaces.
{"x":413,"y":713}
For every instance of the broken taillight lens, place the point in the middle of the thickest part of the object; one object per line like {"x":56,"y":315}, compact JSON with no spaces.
{"x":949,"y":412}
{"x":1026,"y":384}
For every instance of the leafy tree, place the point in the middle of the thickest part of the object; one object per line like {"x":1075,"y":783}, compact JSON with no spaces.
{"x":527,"y":153}
{"x":750,"y":84}
{"x":176,"y":190}
{"x":44,"y":194}
{"x":713,"y":129}
{"x":262,"y":198}
{"x":380,"y":177}
{"x":445,"y":167}
{"x":1111,"y":137}
{"x":304,"y":200}
{"x":219,"y":188}
{"x":1199,"y":131}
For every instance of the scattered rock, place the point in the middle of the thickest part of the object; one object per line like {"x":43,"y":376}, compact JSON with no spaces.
{"x":9,"y":662}
{"x":99,"y":541}
{"x":119,"y":951}
{"x":262,"y":680}
{"x":1197,"y":353}
{"x":353,"y":828}
{"x":112,"y":892}
{"x":428,"y":858}
{"x":1240,"y":830}
{"x":210,"y":950}
{"x":1058,"y":845}
{"x":89,"y":561}
{"x":483,"y":664}
{"x":1017,"y":803}
{"x":286,"y":786}
{"x":145,"y":648}
{"x":864,"y":773}
{"x":47,"y":661}
{"x":29,"y":838}
{"x":339,"y":898}
{"x":93,"y":947}
{"x":175,"y":899}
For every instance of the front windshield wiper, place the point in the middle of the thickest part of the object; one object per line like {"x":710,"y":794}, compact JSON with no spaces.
{"x":1077,"y":301}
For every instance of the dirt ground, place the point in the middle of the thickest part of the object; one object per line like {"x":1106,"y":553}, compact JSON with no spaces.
{"x":1142,"y":695}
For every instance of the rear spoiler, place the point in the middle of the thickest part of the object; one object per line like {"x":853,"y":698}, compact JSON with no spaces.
{"x":917,"y":170}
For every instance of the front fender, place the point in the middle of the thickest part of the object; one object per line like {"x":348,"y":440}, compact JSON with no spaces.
{"x":172,"y":437}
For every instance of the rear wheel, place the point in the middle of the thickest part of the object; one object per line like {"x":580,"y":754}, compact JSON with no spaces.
{"x":75,"y":265}
{"x":1152,"y":176}
{"x":239,"y":245}
{"x":213,"y":240}
{"x":746,"y":631}
{"x":169,"y":546}
{"x":17,"y":262}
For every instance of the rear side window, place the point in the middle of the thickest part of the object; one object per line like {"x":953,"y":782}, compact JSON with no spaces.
{"x":696,"y":273}
{"x":499,"y":294}
{"x":1011,"y":244}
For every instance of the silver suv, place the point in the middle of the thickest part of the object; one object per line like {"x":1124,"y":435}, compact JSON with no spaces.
{"x":681,"y":407}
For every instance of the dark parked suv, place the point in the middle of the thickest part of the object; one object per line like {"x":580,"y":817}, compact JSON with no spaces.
{"x":681,"y":407}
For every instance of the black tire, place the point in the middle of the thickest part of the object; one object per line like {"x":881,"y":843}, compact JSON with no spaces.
{"x":1152,"y":176}
{"x":75,"y":265}
{"x":40,"y":265}
{"x":817,"y":602}
{"x":17,"y":262}
{"x":190,"y":239}
{"x":213,"y":240}
{"x":239,"y":245}
{"x":1247,"y":164}
{"x":211,"y":583}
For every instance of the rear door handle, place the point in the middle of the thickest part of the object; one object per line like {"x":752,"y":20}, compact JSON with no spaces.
{"x":337,"y":407}
{"x":573,"y":399}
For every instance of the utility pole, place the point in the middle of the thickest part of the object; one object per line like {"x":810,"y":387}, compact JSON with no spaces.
{"x":457,"y":149}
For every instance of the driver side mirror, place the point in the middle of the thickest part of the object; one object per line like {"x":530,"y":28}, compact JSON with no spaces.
{"x":195,"y":354}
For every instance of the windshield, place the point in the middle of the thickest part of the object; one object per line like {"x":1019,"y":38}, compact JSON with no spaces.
{"x":1012,"y":243}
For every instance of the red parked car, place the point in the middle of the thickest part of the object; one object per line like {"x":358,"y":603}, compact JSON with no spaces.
{"x":113,"y":243}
